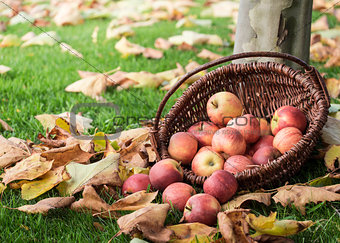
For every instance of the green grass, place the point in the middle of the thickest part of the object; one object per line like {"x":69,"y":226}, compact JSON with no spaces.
{"x":36,"y":86}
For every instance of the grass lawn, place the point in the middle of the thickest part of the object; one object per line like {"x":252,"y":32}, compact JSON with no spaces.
{"x":36,"y":85}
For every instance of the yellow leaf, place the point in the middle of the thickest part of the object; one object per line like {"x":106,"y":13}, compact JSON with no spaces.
{"x":269,"y":225}
{"x":99,"y":141}
{"x":331,"y":156}
{"x":145,"y":79}
{"x":63,"y":124}
{"x":127,"y":48}
{"x":27,"y":169}
{"x":45,"y":183}
{"x":125,"y":172}
{"x":192,"y":232}
{"x":10,"y":40}
{"x":2,"y":187}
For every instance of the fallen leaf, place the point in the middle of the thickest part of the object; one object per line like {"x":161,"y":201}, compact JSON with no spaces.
{"x":186,"y":47}
{"x":272,"y":239}
{"x":68,"y":14}
{"x":113,"y":32}
{"x":82,"y":174}
{"x":134,"y":201}
{"x":333,"y":87}
{"x":233,"y":225}
{"x":320,"y":24}
{"x":301,"y":195}
{"x":47,"y":38}
{"x":169,"y":75}
{"x":330,"y":133}
{"x":148,"y":221}
{"x":4,"y":125}
{"x":189,"y":21}
{"x":145,"y":79}
{"x":2,"y":188}
{"x":27,"y":169}
{"x":94,"y":35}
{"x":152,"y":53}
{"x":47,"y":204}
{"x":162,"y":43}
{"x":42,"y":23}
{"x":98,"y":226}
{"x":21,"y":17}
{"x":269,"y":225}
{"x":69,"y":49}
{"x":10,"y":153}
{"x":62,"y":156}
{"x":28,"y":36}
{"x":334,"y":60}
{"x":327,"y":180}
{"x":126,"y":172}
{"x":127,"y":48}
{"x":192,"y":232}
{"x":240,"y":200}
{"x":333,"y":188}
{"x":44,"y":183}
{"x":10,"y":40}
{"x":4,"y":69}
{"x":320,"y":52}
{"x":191,"y":66}
{"x":206,"y":54}
{"x":332,"y":156}
{"x":91,"y":202}
{"x":193,"y":38}
{"x":222,"y":9}
{"x":92,"y":86}
{"x":85,"y":74}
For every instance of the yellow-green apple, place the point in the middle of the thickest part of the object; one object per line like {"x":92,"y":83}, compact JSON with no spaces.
{"x":177,"y":194}
{"x":265,"y":154}
{"x":206,"y":161}
{"x":203,"y":132}
{"x":288,"y":116}
{"x":286,"y":138}
{"x":135,"y":183}
{"x":264,"y":141}
{"x":265,"y":127}
{"x":222,"y":185}
{"x":230,"y":141}
{"x":164,"y":173}
{"x":248,"y":125}
{"x":237,"y":163}
{"x":222,"y":107}
{"x":202,"y":208}
{"x":183,"y":147}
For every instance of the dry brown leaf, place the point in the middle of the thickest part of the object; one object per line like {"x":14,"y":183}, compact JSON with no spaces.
{"x":27,"y":169}
{"x":127,"y":48}
{"x":163,"y":44}
{"x":10,"y":153}
{"x":85,"y":74}
{"x":334,"y":60}
{"x":197,"y":232}
{"x":46,"y":38}
{"x":320,"y":52}
{"x":152,"y":53}
{"x":92,"y":86}
{"x":186,"y":47}
{"x":90,"y":202}
{"x":4,"y":69}
{"x":337,"y":13}
{"x":10,"y":40}
{"x":64,"y":155}
{"x":333,"y":87}
{"x":145,"y":79}
{"x":332,"y":156}
{"x":240,"y":200}
{"x":33,"y":189}
{"x":233,"y":226}
{"x":301,"y":195}
{"x":69,"y":49}
{"x":331,"y":131}
{"x":333,"y":188}
{"x":269,"y":225}
{"x":272,"y":239}
{"x":98,"y":226}
{"x":168,"y":75}
{"x":320,"y":24}
{"x":4,"y":125}
{"x":47,"y":204}
{"x":206,"y":54}
{"x":192,"y":38}
{"x":68,"y":14}
{"x":191,"y":66}
{"x":148,"y":221}
{"x":94,"y":35}
{"x":117,"y":78}
{"x":119,"y":32}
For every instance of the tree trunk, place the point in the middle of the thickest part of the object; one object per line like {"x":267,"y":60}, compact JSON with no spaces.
{"x":280,"y":26}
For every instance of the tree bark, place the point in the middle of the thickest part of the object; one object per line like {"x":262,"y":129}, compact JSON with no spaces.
{"x":280,"y":26}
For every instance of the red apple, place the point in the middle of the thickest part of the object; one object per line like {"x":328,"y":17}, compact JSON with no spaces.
{"x":135,"y":183}
{"x":237,"y":163}
{"x":202,"y":208}
{"x":264,"y":141}
{"x":206,"y":161}
{"x":264,"y":127}
{"x":265,"y":154}
{"x":248,"y":126}
{"x":286,"y":138}
{"x":183,"y":147}
{"x":203,"y":132}
{"x":288,"y":116}
{"x":230,"y":141}
{"x":222,"y":185}
{"x":164,"y":173}
{"x":177,"y":194}
{"x":222,"y":107}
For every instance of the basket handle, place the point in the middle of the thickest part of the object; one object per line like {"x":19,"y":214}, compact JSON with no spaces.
{"x":309,"y":69}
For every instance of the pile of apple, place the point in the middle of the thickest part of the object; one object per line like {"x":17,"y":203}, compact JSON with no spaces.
{"x":227,"y":144}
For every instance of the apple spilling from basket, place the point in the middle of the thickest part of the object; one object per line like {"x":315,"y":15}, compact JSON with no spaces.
{"x":227,"y":144}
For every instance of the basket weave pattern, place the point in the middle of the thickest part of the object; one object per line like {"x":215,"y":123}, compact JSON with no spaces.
{"x":262,"y":88}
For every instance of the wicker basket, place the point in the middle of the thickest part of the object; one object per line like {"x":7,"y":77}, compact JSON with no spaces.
{"x":262,"y":88}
